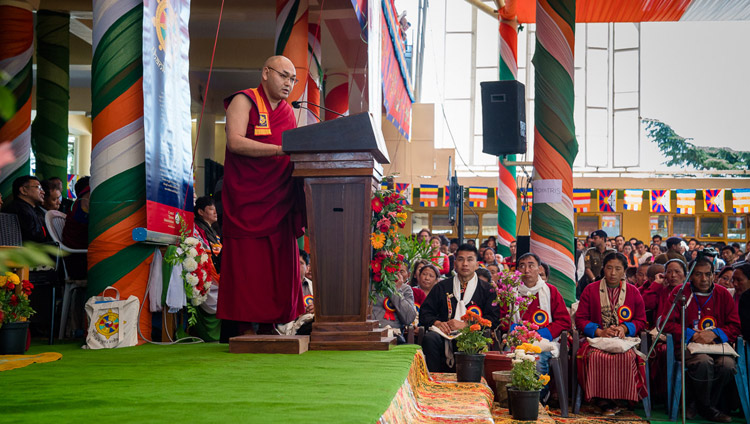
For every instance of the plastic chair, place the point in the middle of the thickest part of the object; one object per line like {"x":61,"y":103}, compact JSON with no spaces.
{"x":10,"y":230}
{"x":55,"y":221}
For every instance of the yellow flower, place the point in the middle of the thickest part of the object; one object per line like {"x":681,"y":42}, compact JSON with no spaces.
{"x":396,"y":249}
{"x":377,"y":240}
{"x":544,"y":378}
{"x":13,"y":278}
{"x":3,"y":279}
{"x":401,"y":216}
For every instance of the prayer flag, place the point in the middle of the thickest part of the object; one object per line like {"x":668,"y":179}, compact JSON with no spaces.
{"x":478,"y":197}
{"x":446,"y":196}
{"x":609,"y":221}
{"x":581,"y":199}
{"x":428,"y":195}
{"x":527,"y":197}
{"x":686,"y":201}
{"x":72,"y":178}
{"x":633,"y":200}
{"x":660,"y":201}
{"x":384,"y":185}
{"x":607,"y":201}
{"x":713,"y":200}
{"x":405,"y":192}
{"x":741,"y":200}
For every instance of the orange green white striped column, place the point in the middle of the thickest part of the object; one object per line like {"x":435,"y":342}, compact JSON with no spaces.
{"x":506,"y":187}
{"x":292,"y":40}
{"x":16,"y":50}
{"x":118,"y":175}
{"x":49,"y":132}
{"x":555,"y":144}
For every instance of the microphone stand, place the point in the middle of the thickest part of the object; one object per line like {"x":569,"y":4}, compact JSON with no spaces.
{"x":680,"y":297}
{"x":299,"y":106}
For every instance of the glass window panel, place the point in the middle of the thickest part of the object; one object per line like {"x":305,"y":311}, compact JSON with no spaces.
{"x":597,"y":35}
{"x":626,"y":35}
{"x":458,"y":16}
{"x":596,"y":137}
{"x":441,"y":225}
{"x":626,"y":130}
{"x":684,"y":226}
{"x":712,"y":227}
{"x":611,"y":225}
{"x":736,"y":227}
{"x":457,"y":113}
{"x":489,"y":224}
{"x":586,"y":224}
{"x":488,"y":41}
{"x":597,"y":75}
{"x":659,"y":224}
{"x":580,"y":39}
{"x":458,"y":68}
{"x":419,"y":221}
{"x":626,"y":71}
{"x":471,"y":223}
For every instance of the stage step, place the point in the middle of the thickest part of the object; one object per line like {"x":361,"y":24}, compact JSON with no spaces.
{"x":372,"y":335}
{"x":384,"y":343}
{"x":269,"y":344}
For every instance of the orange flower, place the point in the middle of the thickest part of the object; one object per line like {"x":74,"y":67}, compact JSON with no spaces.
{"x":485,"y":322}
{"x":475,"y":327}
{"x":544,"y":378}
{"x":377,"y":240}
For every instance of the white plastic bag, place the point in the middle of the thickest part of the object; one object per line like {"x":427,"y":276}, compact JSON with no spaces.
{"x":112,"y":322}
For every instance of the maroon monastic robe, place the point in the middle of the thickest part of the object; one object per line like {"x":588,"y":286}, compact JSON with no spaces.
{"x":263,"y":216}
{"x":717,"y":310}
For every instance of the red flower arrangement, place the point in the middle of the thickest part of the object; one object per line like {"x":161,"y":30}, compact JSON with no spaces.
{"x":388,"y":216}
{"x":14,"y":299}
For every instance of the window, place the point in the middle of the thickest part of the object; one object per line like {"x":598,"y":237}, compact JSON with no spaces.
{"x":712,"y":227}
{"x":72,"y":154}
{"x":471,"y":224}
{"x":441,"y":225}
{"x":489,"y":224}
{"x":684,"y":226}
{"x":736,"y":227}
{"x":659,"y":225}
{"x":611,"y":225}
{"x":419,"y":221}
{"x":586,"y":224}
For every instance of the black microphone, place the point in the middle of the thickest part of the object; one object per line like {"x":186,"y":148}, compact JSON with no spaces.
{"x":298,"y":103}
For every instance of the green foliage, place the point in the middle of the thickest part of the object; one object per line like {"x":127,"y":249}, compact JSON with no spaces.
{"x":523,"y":375}
{"x":681,"y":152}
{"x":7,"y":100}
{"x":30,"y":255}
{"x":472,"y":339}
{"x":414,"y":250}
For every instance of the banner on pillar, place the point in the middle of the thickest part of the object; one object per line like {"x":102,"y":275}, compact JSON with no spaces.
{"x":166,"y":113}
{"x":397,"y":95}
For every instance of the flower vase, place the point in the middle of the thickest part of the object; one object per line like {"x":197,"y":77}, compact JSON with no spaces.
{"x":13,"y":338}
{"x":493,"y":362}
{"x":523,"y":404}
{"x":469,"y":367}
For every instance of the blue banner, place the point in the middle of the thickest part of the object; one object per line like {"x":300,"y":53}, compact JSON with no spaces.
{"x":166,"y":113}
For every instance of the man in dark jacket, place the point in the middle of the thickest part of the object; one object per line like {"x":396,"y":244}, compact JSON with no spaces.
{"x":27,"y":199}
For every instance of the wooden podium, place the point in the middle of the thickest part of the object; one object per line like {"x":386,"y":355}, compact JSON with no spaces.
{"x":340,"y":163}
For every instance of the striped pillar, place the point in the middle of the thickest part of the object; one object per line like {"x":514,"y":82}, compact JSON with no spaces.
{"x":118,"y":175}
{"x":49,"y":132}
{"x":337,"y":94}
{"x":555,"y":144}
{"x":291,"y":41}
{"x":16,"y":49}
{"x":506,"y":187}
{"x":315,"y":74}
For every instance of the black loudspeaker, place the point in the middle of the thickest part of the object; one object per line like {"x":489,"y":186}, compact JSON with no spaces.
{"x":503,"y":117}
{"x":523,"y":245}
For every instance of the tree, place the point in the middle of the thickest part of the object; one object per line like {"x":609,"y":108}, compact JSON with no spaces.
{"x":681,"y":152}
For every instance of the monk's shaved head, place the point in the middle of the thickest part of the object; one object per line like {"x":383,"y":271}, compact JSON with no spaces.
{"x":278,"y":60}
{"x":278,"y":78}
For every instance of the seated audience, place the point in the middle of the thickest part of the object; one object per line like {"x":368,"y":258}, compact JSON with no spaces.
{"x":205,"y":217}
{"x":611,"y":308}
{"x":643,"y":255}
{"x":439,"y":258}
{"x":510,"y":261}
{"x":641,"y":274}
{"x":426,"y":280}
{"x":741,"y":280}
{"x":488,"y":257}
{"x":52,"y":196}
{"x":740,"y":275}
{"x":396,"y":311}
{"x":547,"y":310}
{"x":302,"y":326}
{"x":75,"y":232}
{"x":673,"y":251}
{"x":728,"y":254}
{"x":423,"y":236}
{"x":448,"y":301}
{"x":26,"y":205}
{"x":724,"y":279}
{"x":416,"y":266}
{"x":544,"y":271}
{"x":494,"y":270}
{"x":484,"y":275}
{"x":65,"y":203}
{"x":651,"y":300}
{"x":627,"y":250}
{"x":655,"y":251}
{"x":711,"y":317}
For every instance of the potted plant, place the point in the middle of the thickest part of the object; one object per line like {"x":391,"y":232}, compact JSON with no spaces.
{"x":472,"y":344}
{"x":525,"y":384}
{"x":15,"y":311}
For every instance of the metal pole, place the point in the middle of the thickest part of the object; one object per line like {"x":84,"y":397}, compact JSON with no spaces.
{"x":682,"y":353}
{"x":460,"y":218}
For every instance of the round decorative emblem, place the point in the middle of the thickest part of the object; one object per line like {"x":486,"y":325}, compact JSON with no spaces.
{"x":308,"y":299}
{"x":541,"y":318}
{"x":475,"y":309}
{"x":707,"y":322}
{"x":624,"y":313}
{"x":108,"y":324}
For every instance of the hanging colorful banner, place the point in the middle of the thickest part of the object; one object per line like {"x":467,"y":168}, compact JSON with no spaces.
{"x":527,"y":198}
{"x":404,"y":190}
{"x":478,"y":197}
{"x":428,"y":195}
{"x":632,"y":200}
{"x":446,"y":196}
{"x":713,"y":200}
{"x":660,"y":201}
{"x":397,"y":95}
{"x":609,"y":221}
{"x":581,"y":199}
{"x":72,"y":178}
{"x":607,"y":200}
{"x":685,"y":202}
{"x":360,"y":9}
{"x":741,"y":200}
{"x":166,"y":114}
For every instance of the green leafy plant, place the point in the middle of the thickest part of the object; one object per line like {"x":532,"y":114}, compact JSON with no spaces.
{"x":523,"y":375}
{"x":471,"y":340}
{"x":14,"y":299}
{"x":30,"y":255}
{"x":413,"y":249}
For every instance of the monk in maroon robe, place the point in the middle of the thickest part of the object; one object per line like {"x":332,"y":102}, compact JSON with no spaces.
{"x":263,"y":206}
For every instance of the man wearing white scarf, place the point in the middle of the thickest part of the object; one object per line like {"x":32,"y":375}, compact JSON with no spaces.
{"x":448,"y":301}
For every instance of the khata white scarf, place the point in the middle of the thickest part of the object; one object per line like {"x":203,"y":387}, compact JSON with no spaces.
{"x":541,"y":291}
{"x":466,"y":299}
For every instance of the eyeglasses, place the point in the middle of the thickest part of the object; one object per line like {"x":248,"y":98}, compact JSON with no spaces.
{"x":291,"y":78}
{"x":38,"y":187}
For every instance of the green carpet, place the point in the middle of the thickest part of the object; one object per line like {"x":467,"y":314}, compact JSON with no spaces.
{"x":203,"y":383}
{"x":659,"y":416}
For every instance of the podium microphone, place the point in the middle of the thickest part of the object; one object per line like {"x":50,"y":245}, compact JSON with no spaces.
{"x":298,"y":104}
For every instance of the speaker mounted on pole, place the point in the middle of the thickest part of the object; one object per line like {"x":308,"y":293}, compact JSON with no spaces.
{"x":503,"y":117}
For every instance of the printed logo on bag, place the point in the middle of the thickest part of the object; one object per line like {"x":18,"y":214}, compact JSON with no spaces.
{"x":108,"y":324}
{"x":475,"y":309}
{"x":624,"y":313}
{"x":541,"y":318}
{"x":706,"y":323}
